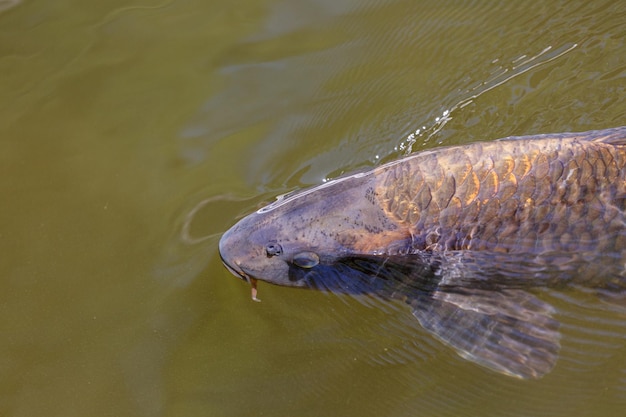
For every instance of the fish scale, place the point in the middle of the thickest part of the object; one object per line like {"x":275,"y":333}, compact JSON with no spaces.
{"x":452,"y":192}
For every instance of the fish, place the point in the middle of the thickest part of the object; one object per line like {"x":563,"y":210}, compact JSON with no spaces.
{"x":465,"y":236}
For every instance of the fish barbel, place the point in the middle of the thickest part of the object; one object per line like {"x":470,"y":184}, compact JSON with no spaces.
{"x":462,"y":234}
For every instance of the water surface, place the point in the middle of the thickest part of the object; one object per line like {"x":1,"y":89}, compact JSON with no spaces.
{"x":135,"y":132}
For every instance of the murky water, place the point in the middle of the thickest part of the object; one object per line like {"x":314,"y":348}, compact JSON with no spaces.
{"x":135,"y":132}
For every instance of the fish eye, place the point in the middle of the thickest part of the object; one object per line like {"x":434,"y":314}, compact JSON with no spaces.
{"x":273,"y":249}
{"x":306,"y":259}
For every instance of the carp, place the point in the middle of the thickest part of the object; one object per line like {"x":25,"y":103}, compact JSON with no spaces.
{"x":464,"y":235}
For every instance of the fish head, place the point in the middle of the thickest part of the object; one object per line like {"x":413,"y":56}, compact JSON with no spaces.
{"x":296,"y":239}
{"x":262,"y":246}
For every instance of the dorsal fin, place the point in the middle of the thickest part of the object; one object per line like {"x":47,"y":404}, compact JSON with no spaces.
{"x":615,"y":136}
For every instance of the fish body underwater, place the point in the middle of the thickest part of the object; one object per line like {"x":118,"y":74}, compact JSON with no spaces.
{"x":464,"y":235}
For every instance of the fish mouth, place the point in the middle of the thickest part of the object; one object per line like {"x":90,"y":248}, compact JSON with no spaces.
{"x":239,"y":273}
{"x":232,"y":265}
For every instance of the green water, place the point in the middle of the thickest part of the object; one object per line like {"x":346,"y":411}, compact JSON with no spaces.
{"x":134,"y":132}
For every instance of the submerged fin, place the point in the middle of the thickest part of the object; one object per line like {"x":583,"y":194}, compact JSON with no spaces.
{"x":478,"y":303}
{"x":616,"y":300}
{"x":508,"y":331}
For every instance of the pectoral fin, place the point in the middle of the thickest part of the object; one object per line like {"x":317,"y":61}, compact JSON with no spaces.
{"x":508,"y":331}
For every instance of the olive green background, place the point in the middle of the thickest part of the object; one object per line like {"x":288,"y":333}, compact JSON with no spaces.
{"x":133,"y":133}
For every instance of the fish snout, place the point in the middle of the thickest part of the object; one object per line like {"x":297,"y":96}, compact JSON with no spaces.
{"x":230,"y":249}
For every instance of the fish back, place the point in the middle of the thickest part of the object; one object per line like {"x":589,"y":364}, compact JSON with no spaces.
{"x":528,"y":194}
